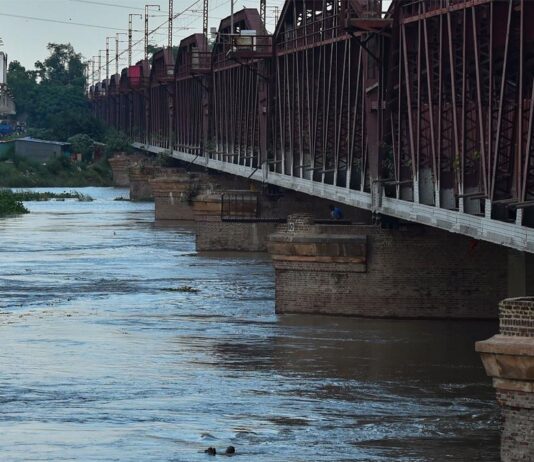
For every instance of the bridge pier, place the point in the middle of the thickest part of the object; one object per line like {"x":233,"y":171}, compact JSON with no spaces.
{"x":238,"y":232}
{"x":120,"y":165}
{"x":244,"y":219}
{"x":173,"y":195}
{"x":363,"y":270}
{"x":140,"y":175}
{"x":509,"y":359}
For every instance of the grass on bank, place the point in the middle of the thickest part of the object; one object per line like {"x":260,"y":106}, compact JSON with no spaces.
{"x":19,"y":172}
{"x":10,"y":205}
{"x":29,"y":196}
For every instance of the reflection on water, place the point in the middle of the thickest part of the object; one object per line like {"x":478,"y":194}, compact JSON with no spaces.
{"x":100,"y":361}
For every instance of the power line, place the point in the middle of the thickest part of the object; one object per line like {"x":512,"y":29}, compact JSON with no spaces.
{"x":153,"y":32}
{"x":57,"y":21}
{"x":114,"y":5}
{"x":106,"y":4}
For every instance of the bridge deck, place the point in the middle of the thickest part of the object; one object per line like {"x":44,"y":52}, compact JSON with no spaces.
{"x":508,"y":234}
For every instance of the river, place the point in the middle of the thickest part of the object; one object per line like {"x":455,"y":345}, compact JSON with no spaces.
{"x":103,"y":358}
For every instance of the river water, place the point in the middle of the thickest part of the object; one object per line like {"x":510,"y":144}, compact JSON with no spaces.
{"x":101,"y":360}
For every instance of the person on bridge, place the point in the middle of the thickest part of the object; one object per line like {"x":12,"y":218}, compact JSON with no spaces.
{"x":336,"y":213}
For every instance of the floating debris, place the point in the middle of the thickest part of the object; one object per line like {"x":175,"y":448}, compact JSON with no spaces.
{"x":188,"y":289}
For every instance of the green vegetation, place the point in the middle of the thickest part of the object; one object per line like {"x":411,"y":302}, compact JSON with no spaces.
{"x":10,"y":205}
{"x":52,"y":99}
{"x":47,"y":196}
{"x":18,"y":172}
{"x":52,"y":96}
{"x":116,"y":141}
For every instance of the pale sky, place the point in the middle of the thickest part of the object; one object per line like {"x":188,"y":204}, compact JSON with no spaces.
{"x":25,"y":39}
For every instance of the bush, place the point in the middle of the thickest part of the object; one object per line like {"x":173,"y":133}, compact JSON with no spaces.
{"x":117,"y":142}
{"x":9,"y":205}
{"x":19,"y":172}
{"x":84,"y":145}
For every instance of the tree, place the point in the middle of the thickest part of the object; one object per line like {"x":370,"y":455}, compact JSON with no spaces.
{"x":53,"y":96}
{"x":63,"y":67}
{"x":22,"y":84}
{"x":117,"y":142}
{"x":84,"y":145}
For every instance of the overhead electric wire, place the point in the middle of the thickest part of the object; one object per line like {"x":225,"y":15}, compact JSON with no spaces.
{"x":153,"y":31}
{"x":57,"y":21}
{"x":115,"y":5}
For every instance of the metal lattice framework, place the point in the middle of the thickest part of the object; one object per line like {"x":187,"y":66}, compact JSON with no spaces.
{"x":424,"y":111}
{"x":462,"y":106}
{"x":193,"y":64}
{"x":319,"y":125}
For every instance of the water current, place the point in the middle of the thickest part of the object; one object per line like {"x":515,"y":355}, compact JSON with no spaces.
{"x":103,"y":359}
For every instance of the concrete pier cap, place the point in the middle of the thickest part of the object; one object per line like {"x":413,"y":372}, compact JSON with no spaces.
{"x":508,"y":358}
{"x":299,"y":241}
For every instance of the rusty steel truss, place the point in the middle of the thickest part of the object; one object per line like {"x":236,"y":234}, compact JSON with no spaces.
{"x":424,"y":111}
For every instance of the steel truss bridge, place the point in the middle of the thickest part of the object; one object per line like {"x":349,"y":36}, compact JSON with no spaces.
{"x":423,"y":112}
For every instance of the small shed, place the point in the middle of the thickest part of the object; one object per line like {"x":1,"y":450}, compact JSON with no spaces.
{"x":41,"y":150}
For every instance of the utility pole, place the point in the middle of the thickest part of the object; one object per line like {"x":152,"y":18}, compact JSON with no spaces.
{"x":205,"y":19}
{"x":107,"y":57}
{"x":93,"y":76}
{"x":117,"y":46}
{"x":263,"y":11}
{"x":147,"y":7}
{"x":117,"y":54}
{"x":86,"y":73}
{"x":231,"y":20}
{"x":100,"y":66}
{"x":130,"y":35}
{"x":171,"y":19}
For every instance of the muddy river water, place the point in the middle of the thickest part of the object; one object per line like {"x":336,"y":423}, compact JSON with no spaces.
{"x":102,"y":358}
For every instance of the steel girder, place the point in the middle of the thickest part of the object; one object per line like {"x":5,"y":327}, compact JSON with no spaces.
{"x":430,"y":103}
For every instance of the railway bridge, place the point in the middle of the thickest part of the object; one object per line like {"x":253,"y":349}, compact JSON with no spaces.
{"x":421,"y":113}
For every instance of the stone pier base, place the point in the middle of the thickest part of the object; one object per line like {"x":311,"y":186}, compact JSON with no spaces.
{"x":120,"y":165}
{"x":509,"y":359}
{"x":173,"y":195}
{"x":140,"y":175}
{"x":363,"y":270}
{"x":242,"y":233}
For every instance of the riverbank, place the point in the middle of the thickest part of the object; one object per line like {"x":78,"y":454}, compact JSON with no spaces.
{"x":18,"y":172}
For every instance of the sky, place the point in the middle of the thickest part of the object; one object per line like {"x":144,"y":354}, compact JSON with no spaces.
{"x":25,"y":39}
